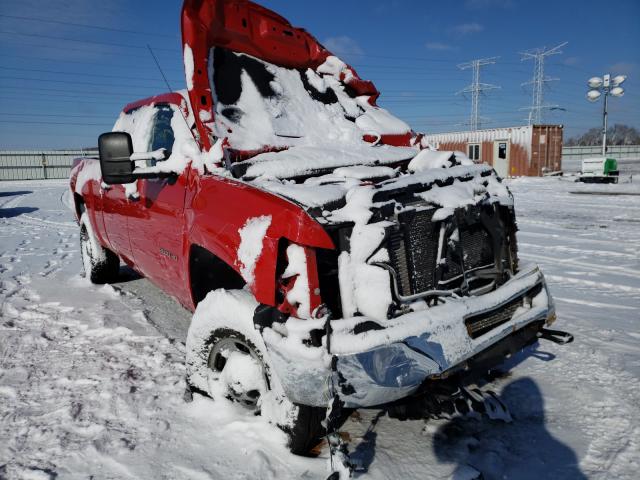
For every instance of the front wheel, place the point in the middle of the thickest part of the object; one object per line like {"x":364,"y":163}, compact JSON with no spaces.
{"x":100,"y":264}
{"x":226,"y":357}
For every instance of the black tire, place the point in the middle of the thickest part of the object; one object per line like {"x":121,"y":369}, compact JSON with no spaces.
{"x":307,"y":430}
{"x":229,"y":315}
{"x":99,"y":267}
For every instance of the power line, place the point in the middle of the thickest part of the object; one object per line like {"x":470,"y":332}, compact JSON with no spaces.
{"x":57,"y":72}
{"x":35,"y":122}
{"x":84,"y":25}
{"x":74,"y":101}
{"x":82,"y":50}
{"x":57,"y":115}
{"x":74,"y":93}
{"x":66,"y":98}
{"x":539,"y":80}
{"x":110,"y":65}
{"x":68,"y":82}
{"x":45,"y":134}
{"x":93,"y":42}
{"x":476,"y":88}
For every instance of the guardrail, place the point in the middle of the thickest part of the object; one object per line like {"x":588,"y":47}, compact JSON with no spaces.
{"x":39,"y":164}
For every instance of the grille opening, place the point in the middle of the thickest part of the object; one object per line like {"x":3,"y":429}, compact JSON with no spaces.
{"x":327,"y":261}
{"x":413,"y":249}
{"x":478,"y":325}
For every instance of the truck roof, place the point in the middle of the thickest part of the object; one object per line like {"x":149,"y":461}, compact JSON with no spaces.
{"x":174,"y":98}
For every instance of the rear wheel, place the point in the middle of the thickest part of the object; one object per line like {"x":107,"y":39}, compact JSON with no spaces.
{"x":227,"y":357}
{"x":100,"y":264}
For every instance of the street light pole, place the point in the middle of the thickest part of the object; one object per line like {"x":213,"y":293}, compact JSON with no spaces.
{"x":605,"y":86}
{"x":604,"y":125}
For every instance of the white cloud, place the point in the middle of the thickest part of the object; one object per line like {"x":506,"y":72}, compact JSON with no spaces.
{"x":439,"y":46}
{"x":467,"y":28}
{"x":622,"y":68}
{"x":571,"y":61}
{"x":343,"y":46}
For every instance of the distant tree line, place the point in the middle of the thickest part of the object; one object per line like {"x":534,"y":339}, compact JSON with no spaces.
{"x":617,"y":135}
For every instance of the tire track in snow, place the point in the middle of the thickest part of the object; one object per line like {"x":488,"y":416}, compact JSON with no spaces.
{"x":595,"y":285}
{"x":596,"y":268}
{"x":578,"y":251}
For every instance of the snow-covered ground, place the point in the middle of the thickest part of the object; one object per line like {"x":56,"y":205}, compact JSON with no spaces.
{"x":92,"y":378}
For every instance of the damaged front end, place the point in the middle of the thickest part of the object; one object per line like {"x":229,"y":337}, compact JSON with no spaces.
{"x":429,"y":285}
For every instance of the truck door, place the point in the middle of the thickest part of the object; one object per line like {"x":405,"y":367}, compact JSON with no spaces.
{"x":157,"y":229}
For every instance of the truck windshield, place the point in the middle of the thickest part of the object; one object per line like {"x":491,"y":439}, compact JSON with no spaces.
{"x":259,"y":104}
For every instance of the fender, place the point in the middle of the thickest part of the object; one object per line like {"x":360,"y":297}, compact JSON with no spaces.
{"x":222,"y":206}
{"x":91,"y":196}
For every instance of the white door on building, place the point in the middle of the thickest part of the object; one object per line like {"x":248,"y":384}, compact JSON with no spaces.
{"x":501,"y":157}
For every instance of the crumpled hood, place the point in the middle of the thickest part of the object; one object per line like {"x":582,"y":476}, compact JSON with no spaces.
{"x":445,"y":180}
{"x":316,"y":160}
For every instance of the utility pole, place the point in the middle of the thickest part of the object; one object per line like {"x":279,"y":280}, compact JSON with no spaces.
{"x":476,"y":88}
{"x":537,"y":101}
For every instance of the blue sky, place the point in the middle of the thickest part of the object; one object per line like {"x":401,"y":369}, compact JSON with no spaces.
{"x":64,"y":81}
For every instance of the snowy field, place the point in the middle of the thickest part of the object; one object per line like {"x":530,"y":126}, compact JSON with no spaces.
{"x":92,"y":378}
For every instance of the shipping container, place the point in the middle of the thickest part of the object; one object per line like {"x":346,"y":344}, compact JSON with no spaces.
{"x":529,"y":150}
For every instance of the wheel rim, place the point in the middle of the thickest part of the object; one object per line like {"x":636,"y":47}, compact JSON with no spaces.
{"x":220,"y":352}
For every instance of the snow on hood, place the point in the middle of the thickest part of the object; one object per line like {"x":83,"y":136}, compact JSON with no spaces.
{"x":428,"y":159}
{"x":333,"y":191}
{"x":306,"y":160}
{"x":260,"y":104}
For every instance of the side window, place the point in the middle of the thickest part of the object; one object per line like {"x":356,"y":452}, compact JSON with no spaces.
{"x":162,"y":133}
{"x":474,"y":151}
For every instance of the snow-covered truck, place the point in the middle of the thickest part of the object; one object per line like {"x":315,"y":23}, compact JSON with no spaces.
{"x":329,"y":254}
{"x":599,"y":170}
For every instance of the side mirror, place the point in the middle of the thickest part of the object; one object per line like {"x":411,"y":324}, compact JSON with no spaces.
{"x":116,"y":149}
{"x":117,"y":160}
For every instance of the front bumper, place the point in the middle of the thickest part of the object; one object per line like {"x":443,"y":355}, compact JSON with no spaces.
{"x":379,"y":366}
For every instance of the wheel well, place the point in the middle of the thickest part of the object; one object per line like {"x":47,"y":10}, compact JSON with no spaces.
{"x":78,"y":202}
{"x":207,"y":272}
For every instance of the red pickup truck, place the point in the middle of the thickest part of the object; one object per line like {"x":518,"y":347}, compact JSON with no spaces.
{"x":326,"y":250}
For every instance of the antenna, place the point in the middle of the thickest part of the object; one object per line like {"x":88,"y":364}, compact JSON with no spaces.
{"x":155,"y":59}
{"x":476,"y":88}
{"x":537,"y":101}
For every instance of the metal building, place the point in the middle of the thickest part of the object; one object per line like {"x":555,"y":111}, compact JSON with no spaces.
{"x":530,"y":150}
